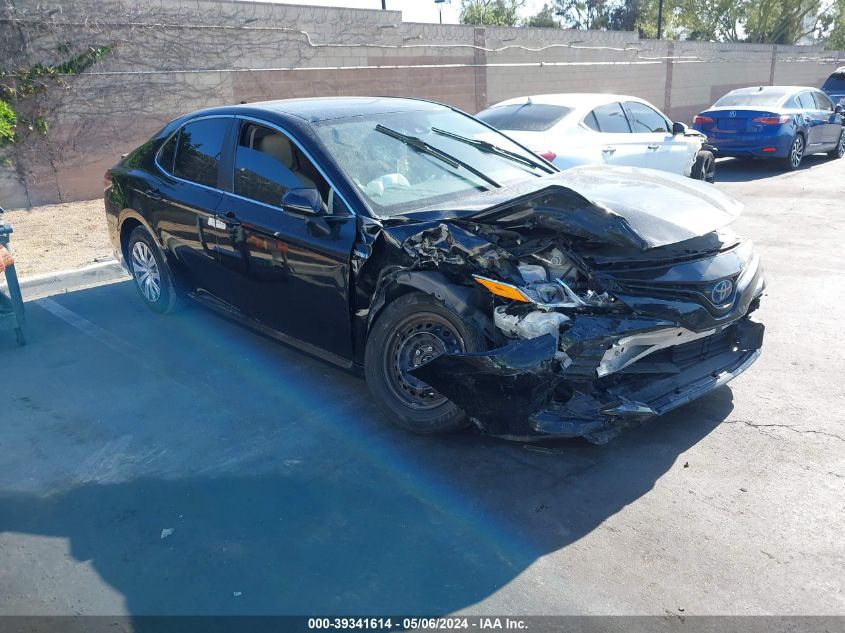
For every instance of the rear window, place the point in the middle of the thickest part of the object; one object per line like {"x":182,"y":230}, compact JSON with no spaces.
{"x":526,"y":117}
{"x":199,"y":146}
{"x":611,"y":119}
{"x":835,"y":82}
{"x":759,"y":98}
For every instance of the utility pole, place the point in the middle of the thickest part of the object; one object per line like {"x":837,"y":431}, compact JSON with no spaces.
{"x":660,"y":19}
{"x":383,"y":5}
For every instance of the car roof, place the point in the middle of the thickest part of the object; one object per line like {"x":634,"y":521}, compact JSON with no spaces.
{"x":785,"y":90}
{"x":326,"y":108}
{"x":577,"y":100}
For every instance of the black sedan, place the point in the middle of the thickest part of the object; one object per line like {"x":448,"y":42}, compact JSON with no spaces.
{"x":469,"y":279}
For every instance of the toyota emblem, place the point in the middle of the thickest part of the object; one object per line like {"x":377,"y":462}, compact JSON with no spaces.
{"x":721,"y":291}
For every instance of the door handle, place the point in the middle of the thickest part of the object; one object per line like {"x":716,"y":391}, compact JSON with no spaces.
{"x":153,"y":194}
{"x":654,"y":148}
{"x":608,"y":150}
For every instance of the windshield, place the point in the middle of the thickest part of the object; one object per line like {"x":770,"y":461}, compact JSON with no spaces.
{"x":524,"y":117}
{"x":403,"y":161}
{"x":760,"y":98}
{"x":835,"y":82}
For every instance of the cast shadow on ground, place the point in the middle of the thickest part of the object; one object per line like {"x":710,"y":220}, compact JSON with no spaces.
{"x":343,"y":515}
{"x":745,"y":170}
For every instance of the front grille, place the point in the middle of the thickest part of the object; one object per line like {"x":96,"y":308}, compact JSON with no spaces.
{"x":699,"y":292}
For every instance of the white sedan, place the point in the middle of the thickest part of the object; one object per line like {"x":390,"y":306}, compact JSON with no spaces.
{"x":598,"y":129}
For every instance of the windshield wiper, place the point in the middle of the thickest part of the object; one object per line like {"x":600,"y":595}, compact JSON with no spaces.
{"x":489,"y":148}
{"x":424,"y":148}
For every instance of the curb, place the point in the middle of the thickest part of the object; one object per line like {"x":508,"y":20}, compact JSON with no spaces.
{"x":63,"y":281}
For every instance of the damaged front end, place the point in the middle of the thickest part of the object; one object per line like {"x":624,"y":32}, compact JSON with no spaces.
{"x":598,"y":316}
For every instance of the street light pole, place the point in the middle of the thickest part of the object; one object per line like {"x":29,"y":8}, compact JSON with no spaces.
{"x":383,"y":5}
{"x":660,"y":19}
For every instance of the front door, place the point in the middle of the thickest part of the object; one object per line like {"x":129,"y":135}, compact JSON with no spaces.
{"x":663,"y":150}
{"x":288,"y":270}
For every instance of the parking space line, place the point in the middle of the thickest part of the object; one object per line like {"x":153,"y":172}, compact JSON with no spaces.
{"x":106,"y":338}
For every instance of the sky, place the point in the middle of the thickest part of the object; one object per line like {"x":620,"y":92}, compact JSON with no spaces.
{"x":412,"y":10}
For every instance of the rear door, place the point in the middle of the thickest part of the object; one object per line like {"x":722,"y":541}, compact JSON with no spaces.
{"x":613,"y":136}
{"x":814,"y":120}
{"x":830,"y":121}
{"x":288,"y":270}
{"x":664,"y":151}
{"x":185,"y":201}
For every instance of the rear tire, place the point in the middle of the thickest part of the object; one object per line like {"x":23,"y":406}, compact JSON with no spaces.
{"x":796,"y":153}
{"x":704,"y":168}
{"x":410,"y":331}
{"x":150,"y":272}
{"x":839,"y":150}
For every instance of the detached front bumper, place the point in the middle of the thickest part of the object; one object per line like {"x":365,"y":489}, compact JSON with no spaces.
{"x":531,"y":389}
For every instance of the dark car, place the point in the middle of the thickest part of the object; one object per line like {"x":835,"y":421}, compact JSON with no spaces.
{"x":782,"y":122}
{"x":834,"y":86}
{"x":467,"y":278}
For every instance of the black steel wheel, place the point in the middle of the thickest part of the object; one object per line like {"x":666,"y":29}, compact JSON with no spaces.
{"x":408,"y":333}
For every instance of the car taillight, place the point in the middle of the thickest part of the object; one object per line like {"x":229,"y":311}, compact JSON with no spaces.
{"x":107,"y":177}
{"x":701,"y":120}
{"x":772,"y":120}
{"x":548,"y":155}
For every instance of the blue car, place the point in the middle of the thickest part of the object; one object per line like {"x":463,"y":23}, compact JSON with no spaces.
{"x":834,"y":86}
{"x":778,"y":122}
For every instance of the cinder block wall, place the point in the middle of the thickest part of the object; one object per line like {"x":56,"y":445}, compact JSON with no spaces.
{"x":174,"y":56}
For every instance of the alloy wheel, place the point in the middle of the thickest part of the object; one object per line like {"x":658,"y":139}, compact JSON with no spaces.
{"x":840,"y":149}
{"x":796,"y":152}
{"x":146,"y":272}
{"x":708,"y":170}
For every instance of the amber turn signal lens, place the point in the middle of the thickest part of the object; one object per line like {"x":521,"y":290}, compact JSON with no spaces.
{"x":501,"y":289}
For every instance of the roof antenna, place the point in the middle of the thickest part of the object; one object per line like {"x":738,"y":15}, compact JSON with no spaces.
{"x":529,"y":102}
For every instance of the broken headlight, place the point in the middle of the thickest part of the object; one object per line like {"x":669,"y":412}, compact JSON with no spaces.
{"x":556,"y":294}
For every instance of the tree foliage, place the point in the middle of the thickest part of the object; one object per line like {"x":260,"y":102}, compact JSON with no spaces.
{"x":491,"y":12}
{"x":759,"y":21}
{"x":544,"y":18}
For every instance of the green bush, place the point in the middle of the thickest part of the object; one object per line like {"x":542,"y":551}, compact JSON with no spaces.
{"x":8,"y":120}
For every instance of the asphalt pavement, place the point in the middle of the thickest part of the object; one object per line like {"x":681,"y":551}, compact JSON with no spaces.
{"x":183,"y":465}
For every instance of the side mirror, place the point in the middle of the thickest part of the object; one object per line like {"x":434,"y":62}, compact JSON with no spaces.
{"x":306,"y":201}
{"x":678,"y":128}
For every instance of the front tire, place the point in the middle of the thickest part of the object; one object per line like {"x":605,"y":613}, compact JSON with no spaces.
{"x":150,"y":271}
{"x":839,"y":150}
{"x":409,"y":332}
{"x":796,"y":153}
{"x":704,"y":168}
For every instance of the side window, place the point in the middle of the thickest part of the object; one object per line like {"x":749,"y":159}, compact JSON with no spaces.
{"x":822,"y":102}
{"x":645,"y":119}
{"x":198,"y":149}
{"x":168,"y":153}
{"x":591,"y":122}
{"x":611,"y":119}
{"x":268,"y":163}
{"x":806,"y":101}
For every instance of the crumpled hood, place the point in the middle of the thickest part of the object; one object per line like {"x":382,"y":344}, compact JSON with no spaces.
{"x":653,"y":208}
